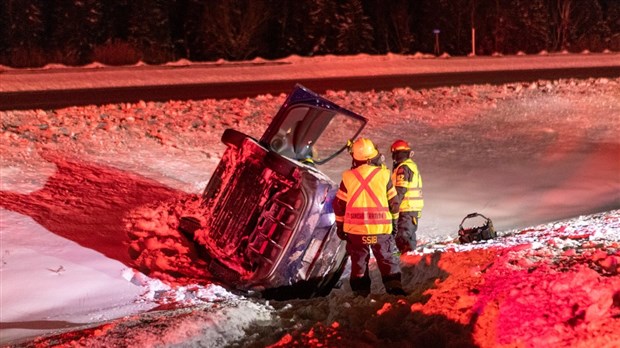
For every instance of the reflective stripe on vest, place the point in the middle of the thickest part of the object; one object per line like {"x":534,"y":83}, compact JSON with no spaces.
{"x":413,"y":199}
{"x":360,"y":216}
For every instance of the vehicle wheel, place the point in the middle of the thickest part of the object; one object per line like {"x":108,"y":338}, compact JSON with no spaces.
{"x":223,"y":273}
{"x":188,"y":226}
{"x":233,"y":137}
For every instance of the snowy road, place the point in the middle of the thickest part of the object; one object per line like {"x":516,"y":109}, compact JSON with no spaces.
{"x":53,"y":88}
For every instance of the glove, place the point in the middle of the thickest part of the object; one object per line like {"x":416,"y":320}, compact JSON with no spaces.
{"x":340,"y":232}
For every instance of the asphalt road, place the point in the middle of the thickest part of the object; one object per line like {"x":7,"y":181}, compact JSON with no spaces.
{"x":56,"y":88}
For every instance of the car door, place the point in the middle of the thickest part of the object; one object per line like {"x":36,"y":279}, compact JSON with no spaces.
{"x":308,"y":125}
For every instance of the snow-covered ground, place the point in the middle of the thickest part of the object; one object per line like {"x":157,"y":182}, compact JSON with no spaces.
{"x":537,"y":158}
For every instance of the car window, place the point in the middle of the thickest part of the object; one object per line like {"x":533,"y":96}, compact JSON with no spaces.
{"x":283,"y":141}
{"x":314,"y":132}
{"x":310,"y":125}
{"x":335,"y":136}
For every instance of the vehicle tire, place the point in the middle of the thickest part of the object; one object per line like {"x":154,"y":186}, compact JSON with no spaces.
{"x":233,"y":137}
{"x":224,"y":273}
{"x":188,"y":226}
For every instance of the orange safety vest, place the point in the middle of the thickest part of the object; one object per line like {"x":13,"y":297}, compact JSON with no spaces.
{"x":367,"y":210}
{"x":413,"y":199}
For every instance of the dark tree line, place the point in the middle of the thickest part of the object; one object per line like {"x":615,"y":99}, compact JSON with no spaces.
{"x":77,"y":32}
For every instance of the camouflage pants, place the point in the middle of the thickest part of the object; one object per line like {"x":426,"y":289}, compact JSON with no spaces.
{"x":405,"y":235}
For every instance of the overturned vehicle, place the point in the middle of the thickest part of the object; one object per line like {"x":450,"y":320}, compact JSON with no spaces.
{"x":266,"y":221}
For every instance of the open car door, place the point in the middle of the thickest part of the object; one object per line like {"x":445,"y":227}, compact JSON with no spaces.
{"x":310,"y":126}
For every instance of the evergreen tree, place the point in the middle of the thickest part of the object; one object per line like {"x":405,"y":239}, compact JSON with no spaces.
{"x":285,"y":29}
{"x":401,"y":34}
{"x":321,"y":29}
{"x":5,"y":40}
{"x":149,"y":30}
{"x":520,"y":25}
{"x":503,"y":23}
{"x":115,"y":18}
{"x":234,"y":29}
{"x":74,"y":32}
{"x":378,"y":21}
{"x":611,"y":9}
{"x":354,"y":30}
{"x":455,"y":22}
{"x":76,"y":27}
{"x":192,"y":39}
{"x":588,"y":26}
{"x":560,"y":14}
{"x":531,"y":33}
{"x":178,"y":33}
{"x":574,"y":23}
{"x":22,"y":33}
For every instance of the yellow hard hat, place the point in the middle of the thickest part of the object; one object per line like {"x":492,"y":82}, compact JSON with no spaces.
{"x":363,"y":149}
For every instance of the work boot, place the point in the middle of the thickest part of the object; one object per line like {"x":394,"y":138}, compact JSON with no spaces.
{"x":361,"y":286}
{"x":362,"y":293}
{"x":393,"y":285}
{"x":396,"y":291}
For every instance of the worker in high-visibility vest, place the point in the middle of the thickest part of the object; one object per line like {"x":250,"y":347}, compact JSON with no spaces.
{"x":408,"y":183}
{"x":365,"y":205}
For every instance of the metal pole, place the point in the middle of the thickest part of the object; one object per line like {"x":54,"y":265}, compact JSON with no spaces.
{"x":473,"y":41}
